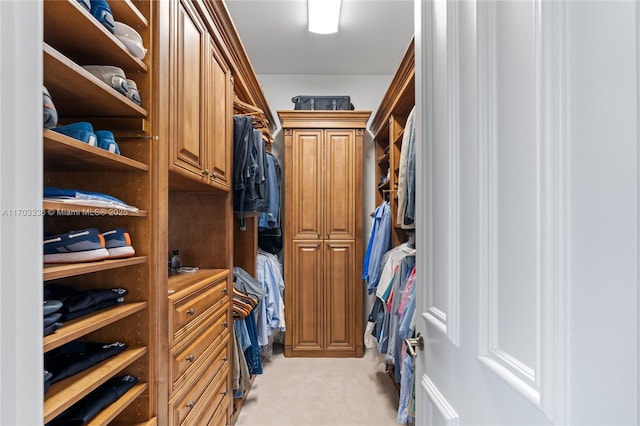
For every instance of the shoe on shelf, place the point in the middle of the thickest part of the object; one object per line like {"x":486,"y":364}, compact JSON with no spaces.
{"x":86,"y":4}
{"x":82,"y":131}
{"x":102,"y":12}
{"x":131,"y":39}
{"x":107,"y":141}
{"x":50,"y":118}
{"x":112,"y":76}
{"x":132,"y":92}
{"x":86,"y":245}
{"x":118,"y":243}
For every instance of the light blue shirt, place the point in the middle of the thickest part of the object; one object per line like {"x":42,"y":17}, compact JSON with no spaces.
{"x":270,"y":278}
{"x":379,"y":241}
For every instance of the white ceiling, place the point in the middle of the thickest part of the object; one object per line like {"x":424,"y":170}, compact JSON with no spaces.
{"x":372,"y":38}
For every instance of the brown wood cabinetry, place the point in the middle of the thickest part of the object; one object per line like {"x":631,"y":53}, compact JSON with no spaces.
{"x":388,"y":127}
{"x":323,"y":231}
{"x":73,"y":38}
{"x":199,"y":325}
{"x":201,"y":98}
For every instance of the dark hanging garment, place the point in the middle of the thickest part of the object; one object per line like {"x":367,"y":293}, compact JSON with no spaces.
{"x":249,"y":182}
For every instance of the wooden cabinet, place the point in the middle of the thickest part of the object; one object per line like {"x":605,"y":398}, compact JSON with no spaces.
{"x":323,"y":231}
{"x":201,"y":89}
{"x":73,"y":38}
{"x":388,"y":127}
{"x":200,"y":323}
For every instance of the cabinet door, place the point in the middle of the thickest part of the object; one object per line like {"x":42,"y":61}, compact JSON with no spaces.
{"x":218,"y":118}
{"x":307,"y":289}
{"x":340,"y":291}
{"x":188,"y":139}
{"x":307,"y":191}
{"x":340,"y":184}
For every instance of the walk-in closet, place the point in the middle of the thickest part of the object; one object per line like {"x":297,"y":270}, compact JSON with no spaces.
{"x":230,"y":214}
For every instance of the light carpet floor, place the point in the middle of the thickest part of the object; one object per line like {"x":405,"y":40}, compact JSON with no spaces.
{"x":321,"y":392}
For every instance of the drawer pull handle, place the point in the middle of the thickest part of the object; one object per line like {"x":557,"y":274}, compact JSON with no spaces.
{"x":224,"y":358}
{"x":224,"y":324}
{"x":191,"y":404}
{"x":224,"y":290}
{"x":224,"y":393}
{"x":191,"y":311}
{"x":190,"y":358}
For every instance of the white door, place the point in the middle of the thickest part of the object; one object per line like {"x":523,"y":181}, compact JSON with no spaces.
{"x":528,"y":195}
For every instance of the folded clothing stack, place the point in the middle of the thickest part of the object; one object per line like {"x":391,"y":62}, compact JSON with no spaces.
{"x":52,"y":316}
{"x":77,"y":356}
{"x":78,"y":303}
{"x":88,"y":407}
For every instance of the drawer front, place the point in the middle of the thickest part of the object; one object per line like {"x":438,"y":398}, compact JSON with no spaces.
{"x":186,"y":313}
{"x":216,"y":411}
{"x":214,"y":335}
{"x":185,"y":408}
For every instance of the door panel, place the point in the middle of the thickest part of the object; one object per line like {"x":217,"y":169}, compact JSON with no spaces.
{"x":219,"y":119}
{"x":547,"y":103}
{"x":307,"y":191}
{"x":307,"y":288}
{"x":340,"y":285}
{"x":340,"y":185}
{"x":188,"y":150}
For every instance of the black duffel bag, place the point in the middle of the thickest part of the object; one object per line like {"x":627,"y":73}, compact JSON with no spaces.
{"x":324,"y":103}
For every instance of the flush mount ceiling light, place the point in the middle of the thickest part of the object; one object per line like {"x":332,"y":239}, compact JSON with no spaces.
{"x":324,"y":16}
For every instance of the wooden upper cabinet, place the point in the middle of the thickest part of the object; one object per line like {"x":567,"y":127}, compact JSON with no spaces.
{"x":325,"y":184}
{"x":188,"y":139}
{"x":306,"y":212}
{"x":219,"y":124}
{"x":201,"y":112}
{"x":341,"y":181}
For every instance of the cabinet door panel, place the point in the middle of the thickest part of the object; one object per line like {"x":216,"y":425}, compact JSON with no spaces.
{"x":307,"y":288}
{"x":188,"y":141}
{"x":340,"y":184}
{"x":306,"y":202}
{"x":219,"y":118}
{"x":340,"y":286}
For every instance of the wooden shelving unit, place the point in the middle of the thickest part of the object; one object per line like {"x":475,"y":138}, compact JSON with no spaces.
{"x":388,"y":126}
{"x":73,"y":38}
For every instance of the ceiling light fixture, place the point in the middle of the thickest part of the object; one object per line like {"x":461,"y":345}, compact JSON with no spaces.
{"x":324,"y":16}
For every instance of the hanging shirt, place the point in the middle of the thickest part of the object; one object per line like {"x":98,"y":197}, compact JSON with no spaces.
{"x":379,"y":241}
{"x":403,"y":164}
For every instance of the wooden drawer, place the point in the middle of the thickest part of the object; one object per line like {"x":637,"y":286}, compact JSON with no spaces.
{"x":216,"y":410}
{"x":187,"y":406}
{"x":208,"y":339}
{"x":187,"y":312}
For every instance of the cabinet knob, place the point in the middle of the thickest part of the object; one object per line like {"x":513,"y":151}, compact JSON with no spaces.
{"x":191,"y":404}
{"x":190,"y":358}
{"x":214,"y":175}
{"x":205,"y":172}
{"x":224,"y":290}
{"x":191,"y":311}
{"x":224,"y":358}
{"x":224,"y":324}
{"x":224,"y":393}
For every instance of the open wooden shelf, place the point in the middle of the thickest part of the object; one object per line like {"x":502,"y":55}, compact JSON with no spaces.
{"x":90,"y":43}
{"x":62,"y":152}
{"x":194,"y":280}
{"x":66,"y":209}
{"x":112,"y":411}
{"x":67,"y":392}
{"x":125,"y":11}
{"x":63,"y":270}
{"x":82,"y":326}
{"x":70,"y":84}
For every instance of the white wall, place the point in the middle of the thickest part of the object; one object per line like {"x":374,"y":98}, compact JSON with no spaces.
{"x":366,"y":93}
{"x":21,"y":374}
